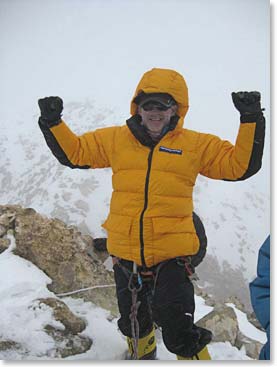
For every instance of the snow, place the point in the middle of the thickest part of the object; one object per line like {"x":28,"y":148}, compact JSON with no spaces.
{"x":201,"y":308}
{"x":22,"y":284}
{"x":225,"y":352}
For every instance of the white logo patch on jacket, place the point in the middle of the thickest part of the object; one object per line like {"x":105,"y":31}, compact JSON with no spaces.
{"x":171,"y":151}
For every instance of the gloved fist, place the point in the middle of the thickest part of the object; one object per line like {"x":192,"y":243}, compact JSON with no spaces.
{"x":247,"y":102}
{"x":51,"y":110}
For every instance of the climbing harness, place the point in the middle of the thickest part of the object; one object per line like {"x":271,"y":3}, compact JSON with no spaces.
{"x":186,"y":262}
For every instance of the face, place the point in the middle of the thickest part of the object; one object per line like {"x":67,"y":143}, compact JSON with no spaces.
{"x":155,"y":120}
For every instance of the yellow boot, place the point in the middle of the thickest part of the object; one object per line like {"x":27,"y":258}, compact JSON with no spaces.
{"x":146,"y":346}
{"x":202,"y":355}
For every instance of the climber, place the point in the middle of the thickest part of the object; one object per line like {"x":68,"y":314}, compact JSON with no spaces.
{"x":150,"y":227}
{"x":260,"y":295}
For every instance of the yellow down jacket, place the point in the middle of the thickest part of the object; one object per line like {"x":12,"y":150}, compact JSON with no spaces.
{"x":150,"y":217}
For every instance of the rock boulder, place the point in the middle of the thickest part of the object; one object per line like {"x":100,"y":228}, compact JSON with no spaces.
{"x":62,"y":252}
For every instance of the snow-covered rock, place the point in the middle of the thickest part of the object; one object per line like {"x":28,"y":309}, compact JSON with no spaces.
{"x":60,"y":251}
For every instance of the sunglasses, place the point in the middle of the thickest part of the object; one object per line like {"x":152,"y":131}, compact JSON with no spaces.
{"x":150,"y":106}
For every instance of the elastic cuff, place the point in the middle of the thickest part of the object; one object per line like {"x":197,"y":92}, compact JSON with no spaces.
{"x":251,"y":117}
{"x":47,"y":123}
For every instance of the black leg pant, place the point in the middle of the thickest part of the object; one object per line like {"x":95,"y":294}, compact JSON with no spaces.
{"x":167,"y":300}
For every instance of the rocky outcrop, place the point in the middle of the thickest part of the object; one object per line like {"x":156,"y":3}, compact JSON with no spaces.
{"x":252,"y":347}
{"x":11,"y":350}
{"x":70,"y":260}
{"x":62,"y":313}
{"x":67,"y":340}
{"x":67,"y":344}
{"x":62,"y":252}
{"x":6,"y":221}
{"x":223,"y":323}
{"x":4,"y":244}
{"x":6,"y":345}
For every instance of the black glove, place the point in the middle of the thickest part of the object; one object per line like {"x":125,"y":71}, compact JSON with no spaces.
{"x":248,"y":104}
{"x":51,"y":110}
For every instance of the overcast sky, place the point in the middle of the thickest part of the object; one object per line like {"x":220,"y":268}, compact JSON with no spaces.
{"x":99,"y":49}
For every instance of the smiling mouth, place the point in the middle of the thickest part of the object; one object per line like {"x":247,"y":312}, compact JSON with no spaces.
{"x":155,"y":119}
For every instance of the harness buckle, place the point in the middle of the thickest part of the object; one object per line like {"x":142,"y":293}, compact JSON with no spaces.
{"x":185,"y":261}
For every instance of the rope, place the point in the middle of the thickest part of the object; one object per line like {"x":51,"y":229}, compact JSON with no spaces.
{"x":85,"y":289}
{"x":134,"y":289}
{"x":134,"y":323}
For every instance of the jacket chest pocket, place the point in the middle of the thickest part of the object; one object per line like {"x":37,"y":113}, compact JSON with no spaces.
{"x":181,"y":162}
{"x":118,"y":224}
{"x":173,"y":225}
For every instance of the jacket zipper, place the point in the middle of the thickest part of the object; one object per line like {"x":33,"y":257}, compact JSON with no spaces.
{"x":146,"y":187}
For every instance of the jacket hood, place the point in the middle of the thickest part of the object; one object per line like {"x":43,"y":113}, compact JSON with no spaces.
{"x":164,"y":81}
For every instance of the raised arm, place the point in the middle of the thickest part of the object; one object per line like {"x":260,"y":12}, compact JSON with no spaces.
{"x":91,"y":150}
{"x":221,"y":159}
